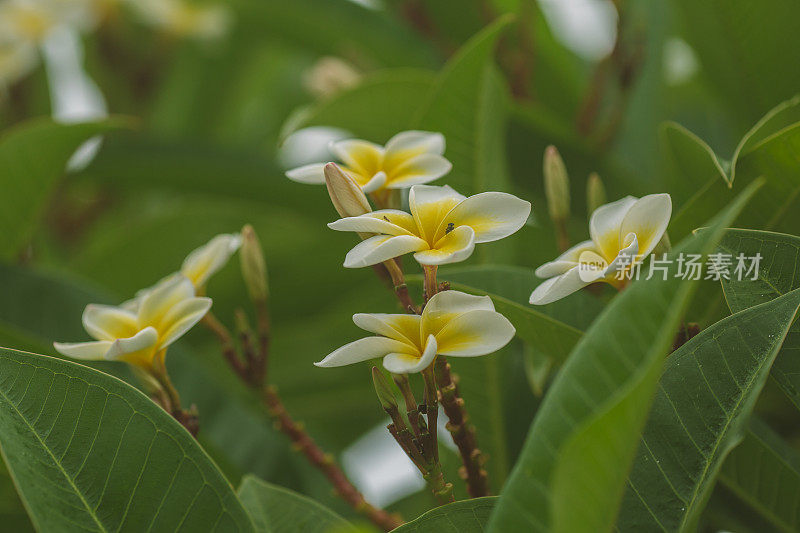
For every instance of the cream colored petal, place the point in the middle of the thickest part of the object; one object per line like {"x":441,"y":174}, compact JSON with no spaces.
{"x":363,"y":157}
{"x":605,"y":223}
{"x":403,"y":363}
{"x":376,"y":182}
{"x":381,"y":248}
{"x":626,"y":257}
{"x":448,"y":305}
{"x":313,"y":173}
{"x":138,"y":350}
{"x":454,"y":247}
{"x":106,"y":323}
{"x":492,"y":215}
{"x":648,"y":218}
{"x":429,"y":204}
{"x":375,"y":222}
{"x":89,"y":351}
{"x":423,"y":168}
{"x":565,"y":261}
{"x":475,"y":333}
{"x":416,"y":142}
{"x":181,"y":318}
{"x":159,"y":301}
{"x":362,"y":350}
{"x":401,"y":327}
{"x":209,"y":259}
{"x":556,"y":288}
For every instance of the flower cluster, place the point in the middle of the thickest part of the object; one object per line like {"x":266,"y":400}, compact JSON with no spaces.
{"x":140,"y":330}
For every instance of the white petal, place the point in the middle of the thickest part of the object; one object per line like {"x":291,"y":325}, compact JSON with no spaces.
{"x":454,"y":247}
{"x":181,"y":318}
{"x":605,"y":223}
{"x":158,"y":302}
{"x":404,"y":328}
{"x":429,"y":204}
{"x":648,"y":218}
{"x":565,"y":261}
{"x":106,"y":322}
{"x":375,"y":222}
{"x":362,"y":350}
{"x":313,"y":173}
{"x":475,"y":333}
{"x":626,"y":258}
{"x":375,"y":182}
{"x":423,"y":168}
{"x":416,"y":141}
{"x":89,"y":351}
{"x":556,"y":288}
{"x":207,"y":260}
{"x":402,"y":363}
{"x":448,"y":305}
{"x":493,"y":215}
{"x":381,"y":248}
{"x":364,"y":157}
{"x":138,"y":349}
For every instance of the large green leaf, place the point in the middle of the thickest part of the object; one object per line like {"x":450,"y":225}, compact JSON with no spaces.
{"x":274,"y":509}
{"x":89,"y":452}
{"x":564,"y":480}
{"x":763,"y":455}
{"x":707,"y":182}
{"x":377,"y":108}
{"x":468,"y":104}
{"x":741,"y":46}
{"x":32,"y":158}
{"x":706,"y":394}
{"x":467,"y":516}
{"x":778,"y":274}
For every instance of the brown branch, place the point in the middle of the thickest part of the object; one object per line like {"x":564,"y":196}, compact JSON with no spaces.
{"x":462,"y":431}
{"x":325,"y":462}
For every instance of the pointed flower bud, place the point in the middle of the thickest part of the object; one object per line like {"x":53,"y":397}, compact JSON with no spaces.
{"x":254,"y":269}
{"x":346,"y":195}
{"x":595,"y":193}
{"x":556,"y":184}
{"x":383,"y":390}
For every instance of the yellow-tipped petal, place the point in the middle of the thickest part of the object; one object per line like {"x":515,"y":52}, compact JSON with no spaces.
{"x":138,"y":350}
{"x":107,"y":323}
{"x":155,"y":304}
{"x":381,"y":248}
{"x":429,"y":204}
{"x":416,"y":170}
{"x":404,"y":363}
{"x":401,"y":327}
{"x":475,"y":333}
{"x":363,"y":157}
{"x":492,"y":215}
{"x":362,"y":350}
{"x":454,"y":247}
{"x":89,"y":351}
{"x":648,"y":218}
{"x":181,"y":318}
{"x":605,"y":223}
{"x":207,"y":260}
{"x":313,"y":173}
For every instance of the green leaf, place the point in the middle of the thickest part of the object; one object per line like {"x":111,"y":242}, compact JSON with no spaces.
{"x":763,"y":455}
{"x":742,"y":46}
{"x":564,"y":480}
{"x":375,"y":109}
{"x":769,"y":149}
{"x":274,"y":509}
{"x":32,"y":158}
{"x":706,"y":394}
{"x":778,"y":274}
{"x":89,"y":452}
{"x":468,"y":104}
{"x":466,"y":516}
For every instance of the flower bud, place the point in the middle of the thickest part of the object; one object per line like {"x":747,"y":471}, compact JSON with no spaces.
{"x":254,"y":269}
{"x":595,"y":193}
{"x":346,"y":196}
{"x":383,"y":390}
{"x":556,"y":185}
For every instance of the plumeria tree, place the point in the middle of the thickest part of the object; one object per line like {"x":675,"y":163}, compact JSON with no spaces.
{"x":327,"y":266}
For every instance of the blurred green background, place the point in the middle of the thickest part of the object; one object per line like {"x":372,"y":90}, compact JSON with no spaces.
{"x":205,"y":122}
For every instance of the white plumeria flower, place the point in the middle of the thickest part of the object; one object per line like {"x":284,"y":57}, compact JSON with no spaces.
{"x":443,"y":226}
{"x":623,"y":234}
{"x":453,"y":323}
{"x":138,"y":337}
{"x":409,"y":158}
{"x":185,"y":18}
